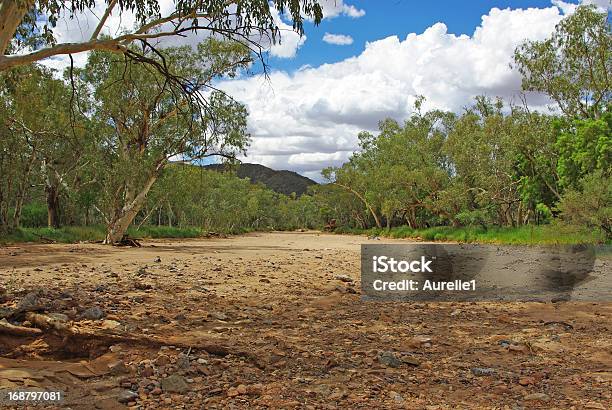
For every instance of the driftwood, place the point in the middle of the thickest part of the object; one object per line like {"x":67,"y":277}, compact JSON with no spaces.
{"x":63,"y":335}
{"x":13,"y":330}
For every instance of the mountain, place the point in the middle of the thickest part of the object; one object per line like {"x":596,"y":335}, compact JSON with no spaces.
{"x":284,"y":182}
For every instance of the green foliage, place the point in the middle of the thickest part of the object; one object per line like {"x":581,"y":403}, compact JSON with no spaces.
{"x":585,"y":147}
{"x":525,"y":235}
{"x":573,"y":65}
{"x":591,"y":204}
{"x":220,"y":201}
{"x":34,"y":215}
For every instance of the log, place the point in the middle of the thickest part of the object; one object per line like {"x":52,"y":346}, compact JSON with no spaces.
{"x":13,"y":330}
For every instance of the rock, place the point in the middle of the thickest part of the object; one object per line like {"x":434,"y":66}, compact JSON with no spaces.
{"x":410,"y":360}
{"x":158,"y":259}
{"x":389,"y":359}
{"x":162,"y":360}
{"x":482,"y":371}
{"x":232,"y":392}
{"x":526,"y":381}
{"x":241,"y":389}
{"x":93,"y":313}
{"x":174,"y":384}
{"x":337,"y":395}
{"x":115,"y":348}
{"x":395,"y":396}
{"x":344,"y":278}
{"x":537,"y":396}
{"x":420,"y":341}
{"x":60,"y":317}
{"x":126,"y":396}
{"x":142,"y":286}
{"x":156,"y":391}
{"x":30,"y":302}
{"x":147,"y":371}
{"x":219,"y":315}
{"x":117,"y":367}
{"x":110,"y":324}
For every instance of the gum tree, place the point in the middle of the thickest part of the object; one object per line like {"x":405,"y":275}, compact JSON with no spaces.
{"x":28,"y":25}
{"x":573,"y":66}
{"x":146,"y":120}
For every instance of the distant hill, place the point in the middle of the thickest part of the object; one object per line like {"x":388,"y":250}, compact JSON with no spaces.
{"x":284,"y":182}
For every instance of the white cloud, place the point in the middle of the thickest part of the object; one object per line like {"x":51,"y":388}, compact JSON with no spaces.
{"x":570,"y":8}
{"x":338,"y":39}
{"x":309,"y":119}
{"x":334,"y":8}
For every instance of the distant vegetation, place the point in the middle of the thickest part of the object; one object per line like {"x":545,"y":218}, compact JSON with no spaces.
{"x":90,"y":156}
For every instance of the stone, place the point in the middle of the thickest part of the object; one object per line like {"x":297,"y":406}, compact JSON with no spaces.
{"x":389,"y":359}
{"x":110,"y":324}
{"x":219,"y":315}
{"x":174,"y":384}
{"x":482,"y":371}
{"x":126,"y":396}
{"x":93,"y":313}
{"x":344,"y":278}
{"x":60,"y":317}
{"x":537,"y":396}
{"x":29,"y":303}
{"x":162,"y":360}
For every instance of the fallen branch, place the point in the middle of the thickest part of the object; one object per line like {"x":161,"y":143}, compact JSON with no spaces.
{"x":13,"y":330}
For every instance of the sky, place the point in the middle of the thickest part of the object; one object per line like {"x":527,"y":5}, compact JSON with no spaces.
{"x":368,"y":60}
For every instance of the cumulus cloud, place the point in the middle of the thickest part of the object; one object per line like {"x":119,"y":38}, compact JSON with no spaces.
{"x":334,"y":8}
{"x":309,"y":119}
{"x":338,"y":39}
{"x":569,"y":8}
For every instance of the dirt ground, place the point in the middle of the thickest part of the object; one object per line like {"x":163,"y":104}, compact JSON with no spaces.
{"x":267,"y":321}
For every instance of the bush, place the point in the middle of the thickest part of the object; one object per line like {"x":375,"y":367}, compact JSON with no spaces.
{"x":34,"y":215}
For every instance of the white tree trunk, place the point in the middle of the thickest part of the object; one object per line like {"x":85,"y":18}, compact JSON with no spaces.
{"x":124,"y":217}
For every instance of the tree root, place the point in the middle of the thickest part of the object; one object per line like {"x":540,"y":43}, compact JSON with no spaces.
{"x":63,"y":336}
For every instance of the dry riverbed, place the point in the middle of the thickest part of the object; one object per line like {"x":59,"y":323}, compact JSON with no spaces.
{"x":275,"y":320}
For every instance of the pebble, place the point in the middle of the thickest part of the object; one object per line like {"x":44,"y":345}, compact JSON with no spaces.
{"x":174,"y":384}
{"x":93,"y":313}
{"x":482,"y":371}
{"x":126,"y":396}
{"x":344,"y":278}
{"x":162,"y":360}
{"x":537,"y":396}
{"x":389,"y":359}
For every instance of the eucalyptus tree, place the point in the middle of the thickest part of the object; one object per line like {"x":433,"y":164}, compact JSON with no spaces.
{"x":29,"y":25}
{"x":45,"y":136}
{"x":147,"y":120}
{"x":572,"y":66}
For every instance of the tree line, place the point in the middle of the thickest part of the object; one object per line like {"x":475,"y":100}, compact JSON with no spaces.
{"x":497,"y":163}
{"x":100,"y":144}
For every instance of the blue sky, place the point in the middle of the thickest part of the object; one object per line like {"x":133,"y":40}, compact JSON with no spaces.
{"x":385,"y":18}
